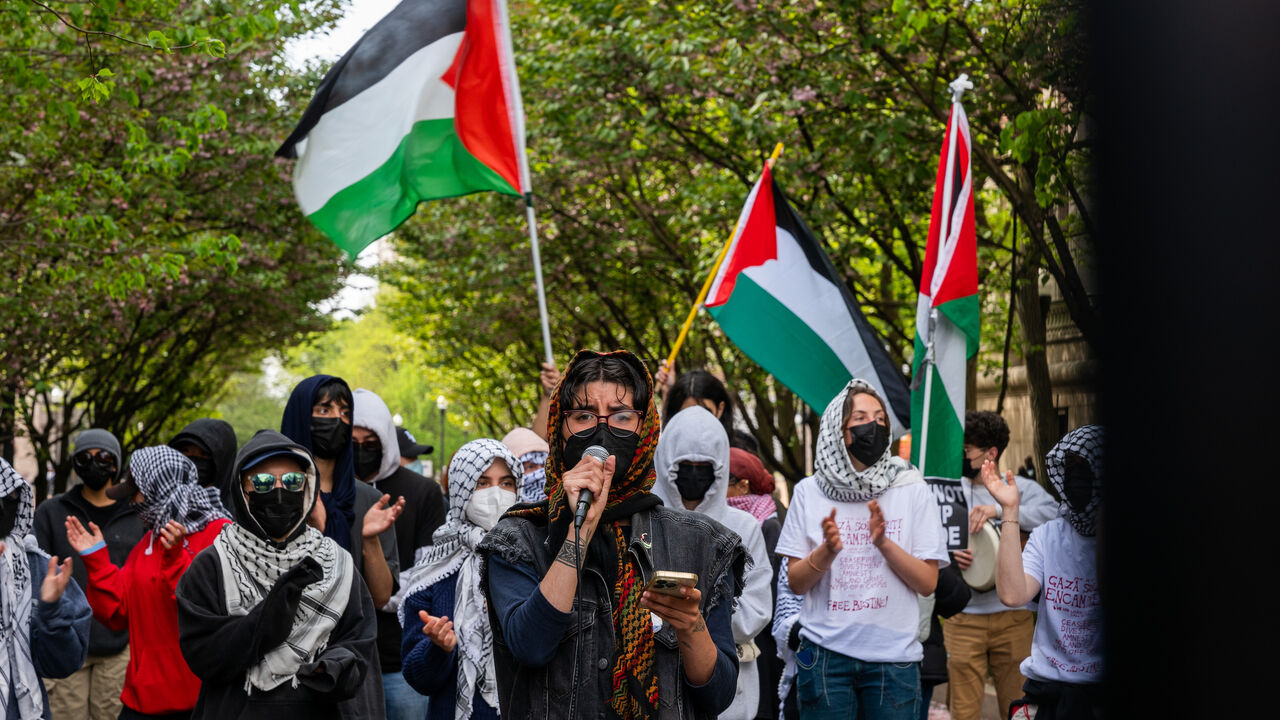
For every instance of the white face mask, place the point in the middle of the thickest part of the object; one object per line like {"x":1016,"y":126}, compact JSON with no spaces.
{"x":486,"y":506}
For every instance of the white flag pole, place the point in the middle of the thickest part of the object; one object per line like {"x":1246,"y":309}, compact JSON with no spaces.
{"x":511,"y":81}
{"x":958,"y":87}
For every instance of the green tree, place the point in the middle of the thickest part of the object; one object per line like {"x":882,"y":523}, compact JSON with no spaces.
{"x":150,"y":242}
{"x":648,"y":123}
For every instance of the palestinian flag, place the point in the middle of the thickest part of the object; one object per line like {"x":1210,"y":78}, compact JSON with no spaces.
{"x":946,"y":310}
{"x":426,"y":105}
{"x":778,"y":298}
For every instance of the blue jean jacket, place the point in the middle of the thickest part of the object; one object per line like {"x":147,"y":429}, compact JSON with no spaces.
{"x":59,"y":631}
{"x":536,"y":670}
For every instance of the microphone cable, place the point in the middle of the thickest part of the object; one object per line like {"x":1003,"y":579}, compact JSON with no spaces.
{"x":577,"y":601}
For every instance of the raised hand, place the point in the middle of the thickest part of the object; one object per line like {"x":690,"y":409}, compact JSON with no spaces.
{"x":831,"y":533}
{"x":55,"y":578}
{"x":1004,"y":491}
{"x":381,"y":516}
{"x":439,"y":629}
{"x":79,"y":538}
{"x":172,"y":533}
{"x":549,"y":376}
{"x":665,"y":378}
{"x":875,"y":525}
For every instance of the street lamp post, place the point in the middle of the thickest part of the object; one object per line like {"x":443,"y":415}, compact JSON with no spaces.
{"x":443,"y":405}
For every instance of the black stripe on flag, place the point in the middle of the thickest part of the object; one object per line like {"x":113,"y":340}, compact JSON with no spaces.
{"x":411,"y":26}
{"x":895,"y":387}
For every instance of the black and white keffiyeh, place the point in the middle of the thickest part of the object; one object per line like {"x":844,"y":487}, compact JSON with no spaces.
{"x":453,"y":549}
{"x":17,"y":670}
{"x":1086,"y":442}
{"x":533,"y":485}
{"x":250,"y":568}
{"x":170,"y":486}
{"x":833,"y":469}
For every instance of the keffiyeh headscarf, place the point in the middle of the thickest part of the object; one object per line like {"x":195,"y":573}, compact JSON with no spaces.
{"x":1086,"y":442}
{"x":170,"y":486}
{"x":16,"y":667}
{"x":635,"y":680}
{"x":533,"y":486}
{"x":744,"y":465}
{"x":453,"y":549}
{"x":833,"y":468}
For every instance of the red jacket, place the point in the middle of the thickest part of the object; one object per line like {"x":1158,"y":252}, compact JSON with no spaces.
{"x":140,"y":597}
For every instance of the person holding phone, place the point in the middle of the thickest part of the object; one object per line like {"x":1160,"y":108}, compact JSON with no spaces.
{"x":862,"y":539}
{"x":606,"y":646}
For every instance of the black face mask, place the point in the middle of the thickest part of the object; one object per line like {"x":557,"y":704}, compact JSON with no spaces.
{"x":204,"y":466}
{"x":367,"y":462}
{"x":94,"y":472}
{"x":1077,"y":484}
{"x":277,"y":511}
{"x":693,"y":481}
{"x":329,"y":437}
{"x":9,"y":513}
{"x":622,"y":448}
{"x":870,"y":440}
{"x":967,"y":469}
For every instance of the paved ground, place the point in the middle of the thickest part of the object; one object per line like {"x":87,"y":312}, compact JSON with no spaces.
{"x":938,"y":708}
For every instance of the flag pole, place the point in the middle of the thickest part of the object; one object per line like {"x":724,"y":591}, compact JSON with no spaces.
{"x":711,"y":276}
{"x":511,"y":81}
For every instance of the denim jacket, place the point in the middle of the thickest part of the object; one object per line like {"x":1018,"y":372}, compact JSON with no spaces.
{"x":661,"y":538}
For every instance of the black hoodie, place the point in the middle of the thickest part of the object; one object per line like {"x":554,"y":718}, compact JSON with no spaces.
{"x":217,"y":438}
{"x":220,"y":648}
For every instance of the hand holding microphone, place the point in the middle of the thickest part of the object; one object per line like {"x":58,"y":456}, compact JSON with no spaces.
{"x":589,"y":479}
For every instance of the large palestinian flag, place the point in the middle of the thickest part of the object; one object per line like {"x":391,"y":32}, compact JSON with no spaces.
{"x":426,"y":105}
{"x":946,"y":310}
{"x":779,"y":298}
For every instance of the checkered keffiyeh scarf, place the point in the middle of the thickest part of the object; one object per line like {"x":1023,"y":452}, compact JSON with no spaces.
{"x":171,"y":490}
{"x":1086,"y":442}
{"x":532,"y":487}
{"x":635,"y":680}
{"x":833,"y":469}
{"x":17,"y":670}
{"x":453,"y":549}
{"x":250,"y":568}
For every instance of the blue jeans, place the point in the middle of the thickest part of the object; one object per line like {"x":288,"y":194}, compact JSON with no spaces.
{"x":403,"y":702}
{"x":830,"y":685}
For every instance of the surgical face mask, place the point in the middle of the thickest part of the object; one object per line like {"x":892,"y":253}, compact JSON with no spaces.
{"x":278,"y":511}
{"x":693,"y":481}
{"x":9,"y":513}
{"x":329,"y":437}
{"x":416,"y":466}
{"x":967,"y":469}
{"x":622,"y":448}
{"x":94,"y":472}
{"x":870,"y":440}
{"x":486,"y":506}
{"x":367,"y":462}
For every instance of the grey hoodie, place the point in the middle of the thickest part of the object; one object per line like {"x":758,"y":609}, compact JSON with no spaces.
{"x":695,"y":435}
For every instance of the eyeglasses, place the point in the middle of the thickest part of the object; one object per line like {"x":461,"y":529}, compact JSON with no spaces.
{"x":266,"y":482}
{"x":585,"y":422}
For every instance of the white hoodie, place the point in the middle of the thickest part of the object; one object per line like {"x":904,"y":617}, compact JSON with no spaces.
{"x":371,"y":413}
{"x":695,"y":435}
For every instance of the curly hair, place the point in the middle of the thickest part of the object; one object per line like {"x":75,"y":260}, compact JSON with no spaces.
{"x":984,"y":429}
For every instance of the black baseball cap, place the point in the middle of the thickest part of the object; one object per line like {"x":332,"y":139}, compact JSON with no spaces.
{"x":409,"y":446}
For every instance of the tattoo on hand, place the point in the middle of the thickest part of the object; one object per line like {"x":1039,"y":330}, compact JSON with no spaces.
{"x":700,"y":625}
{"x":569,"y":553}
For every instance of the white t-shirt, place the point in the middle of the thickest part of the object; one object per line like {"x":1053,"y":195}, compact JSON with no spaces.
{"x":860,"y":607}
{"x":1035,"y":508}
{"x":1067,"y":646}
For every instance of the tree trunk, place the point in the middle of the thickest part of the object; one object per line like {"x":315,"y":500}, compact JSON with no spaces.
{"x":1044,"y":417}
{"x":8,"y":420}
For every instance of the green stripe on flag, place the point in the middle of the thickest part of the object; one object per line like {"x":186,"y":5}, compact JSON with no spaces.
{"x":963,"y":313}
{"x":781,"y":343}
{"x":430,"y":163}
{"x":946,"y":426}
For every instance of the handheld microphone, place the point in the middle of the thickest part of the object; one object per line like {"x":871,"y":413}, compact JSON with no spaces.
{"x":584,"y":496}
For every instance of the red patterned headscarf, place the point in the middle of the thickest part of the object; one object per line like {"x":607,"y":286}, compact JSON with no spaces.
{"x":635,"y":681}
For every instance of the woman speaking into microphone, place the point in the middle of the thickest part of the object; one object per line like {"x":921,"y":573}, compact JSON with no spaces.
{"x":577,"y":630}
